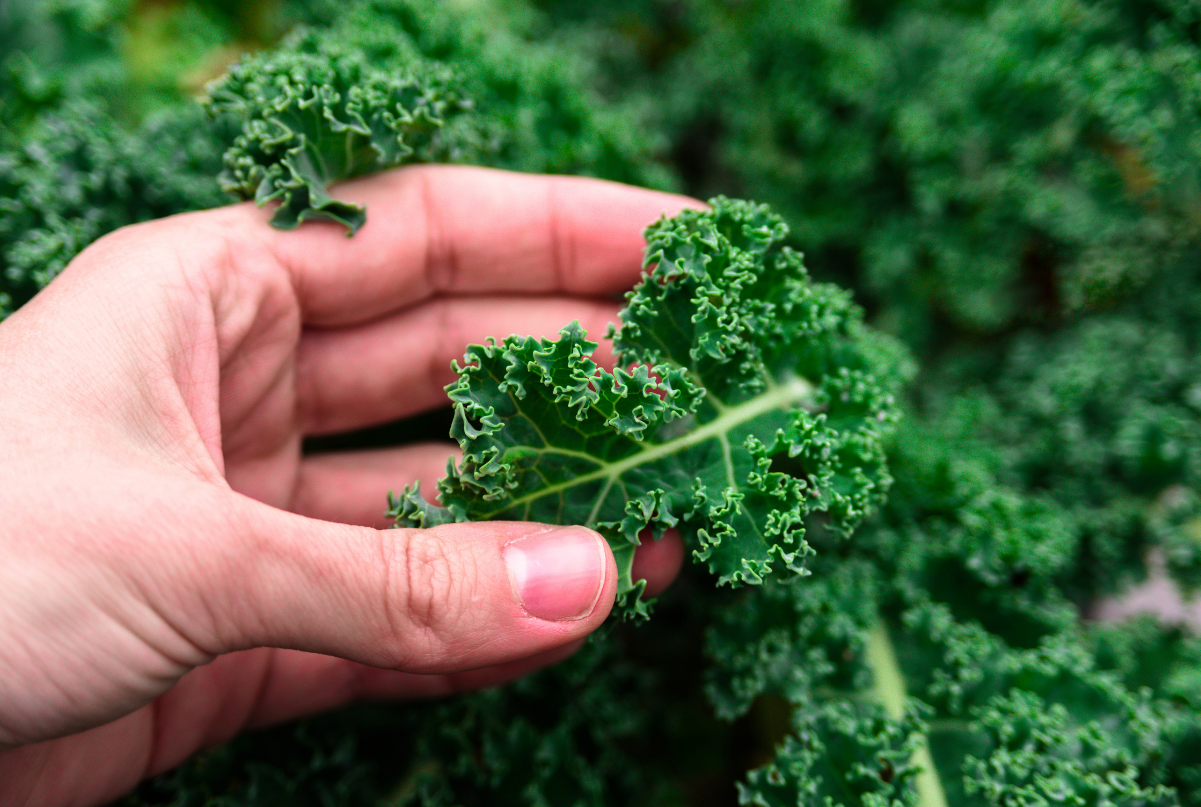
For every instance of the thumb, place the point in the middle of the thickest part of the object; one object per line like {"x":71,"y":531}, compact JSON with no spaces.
{"x":450,"y":598}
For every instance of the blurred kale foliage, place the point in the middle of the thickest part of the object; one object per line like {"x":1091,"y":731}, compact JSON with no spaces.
{"x":1009,"y":186}
{"x":101,"y":127}
{"x":967,"y":166}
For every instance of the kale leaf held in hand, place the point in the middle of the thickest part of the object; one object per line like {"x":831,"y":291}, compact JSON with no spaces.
{"x":746,"y":399}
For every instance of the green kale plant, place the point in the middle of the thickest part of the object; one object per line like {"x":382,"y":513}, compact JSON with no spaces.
{"x":80,"y":175}
{"x":1008,"y":186}
{"x":966,"y":166}
{"x":394,"y":81}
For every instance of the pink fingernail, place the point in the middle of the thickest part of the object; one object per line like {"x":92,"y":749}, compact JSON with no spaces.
{"x":558,"y":574}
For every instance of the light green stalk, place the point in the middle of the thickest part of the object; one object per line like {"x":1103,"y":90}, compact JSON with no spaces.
{"x":890,"y":692}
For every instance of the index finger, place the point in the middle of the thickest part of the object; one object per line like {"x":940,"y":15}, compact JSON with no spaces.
{"x":441,"y":229}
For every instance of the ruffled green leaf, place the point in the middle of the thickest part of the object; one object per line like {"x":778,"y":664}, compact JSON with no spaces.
{"x":792,"y":641}
{"x":747,"y":399}
{"x":314,"y":114}
{"x":842,"y":755}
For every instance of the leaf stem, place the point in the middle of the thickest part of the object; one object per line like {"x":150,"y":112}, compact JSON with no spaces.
{"x":890,"y":692}
{"x":792,"y":392}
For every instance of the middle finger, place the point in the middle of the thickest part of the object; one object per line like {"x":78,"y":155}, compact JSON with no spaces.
{"x":349,"y":378}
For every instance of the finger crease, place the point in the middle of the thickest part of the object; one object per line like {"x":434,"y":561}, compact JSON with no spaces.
{"x":389,"y":547}
{"x":436,"y":366}
{"x":260,"y":696}
{"x":441,"y":268}
{"x":561,"y":244}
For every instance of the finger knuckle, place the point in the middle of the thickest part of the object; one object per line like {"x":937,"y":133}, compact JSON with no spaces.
{"x":436,"y":580}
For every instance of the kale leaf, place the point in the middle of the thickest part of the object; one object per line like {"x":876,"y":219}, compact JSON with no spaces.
{"x":746,"y":399}
{"x":843,"y":753}
{"x":313,"y":113}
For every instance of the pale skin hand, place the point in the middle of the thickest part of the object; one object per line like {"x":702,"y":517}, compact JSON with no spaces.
{"x":174,"y":571}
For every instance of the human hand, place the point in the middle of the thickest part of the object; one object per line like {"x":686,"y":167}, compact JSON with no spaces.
{"x":175,"y":570}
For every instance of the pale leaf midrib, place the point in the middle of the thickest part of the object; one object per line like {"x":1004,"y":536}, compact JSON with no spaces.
{"x":777,"y":396}
{"x":891,"y":692}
